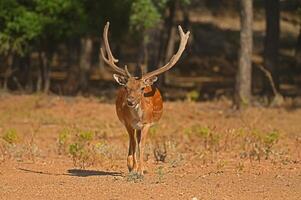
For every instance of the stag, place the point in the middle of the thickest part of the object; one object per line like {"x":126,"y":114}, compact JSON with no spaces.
{"x":139,"y":103}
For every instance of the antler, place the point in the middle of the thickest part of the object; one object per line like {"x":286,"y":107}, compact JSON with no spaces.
{"x":111,"y":60}
{"x":174,"y":59}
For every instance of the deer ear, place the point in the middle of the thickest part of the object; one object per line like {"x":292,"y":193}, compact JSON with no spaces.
{"x":121,"y":80}
{"x":150,"y":80}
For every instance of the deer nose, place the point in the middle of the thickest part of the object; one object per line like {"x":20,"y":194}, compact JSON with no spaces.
{"x":130,"y":100}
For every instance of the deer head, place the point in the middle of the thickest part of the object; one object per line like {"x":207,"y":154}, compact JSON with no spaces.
{"x":134,"y":85}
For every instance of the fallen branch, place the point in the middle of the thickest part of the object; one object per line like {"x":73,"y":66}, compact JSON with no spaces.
{"x":269,"y":76}
{"x":278,"y":98}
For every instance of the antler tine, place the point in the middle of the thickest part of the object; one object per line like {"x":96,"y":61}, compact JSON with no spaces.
{"x":174,"y":59}
{"x":110,"y":60}
{"x":127,"y":71}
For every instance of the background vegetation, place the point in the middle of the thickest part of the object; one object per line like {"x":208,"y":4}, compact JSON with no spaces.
{"x":52,"y":46}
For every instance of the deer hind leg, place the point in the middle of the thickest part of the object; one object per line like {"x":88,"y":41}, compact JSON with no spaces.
{"x":131,"y":159}
{"x":141,"y":138}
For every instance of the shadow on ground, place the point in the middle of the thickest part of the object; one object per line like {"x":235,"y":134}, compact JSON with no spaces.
{"x":75,"y":172}
{"x":39,"y":172}
{"x":86,"y":173}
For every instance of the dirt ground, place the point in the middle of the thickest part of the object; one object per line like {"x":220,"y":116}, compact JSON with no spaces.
{"x":208,"y":151}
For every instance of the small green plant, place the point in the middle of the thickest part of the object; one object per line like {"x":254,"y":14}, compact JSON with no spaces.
{"x":76,"y":151}
{"x":82,"y":151}
{"x":160,"y":173}
{"x":11,"y":136}
{"x":202,"y":132}
{"x":134,"y":177}
{"x":257,"y":144}
{"x":210,"y":138}
{"x":192,"y":96}
{"x":32,"y":148}
{"x":240,"y":167}
{"x":86,"y":136}
{"x":101,"y":148}
{"x":62,"y":141}
{"x":269,"y":140}
{"x":11,"y":147}
{"x":153,"y":131}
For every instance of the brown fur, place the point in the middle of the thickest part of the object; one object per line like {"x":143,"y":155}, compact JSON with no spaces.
{"x":137,"y":122}
{"x":151,"y":104}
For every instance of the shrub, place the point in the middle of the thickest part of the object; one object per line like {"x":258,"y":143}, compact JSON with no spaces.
{"x":83,"y":152}
{"x":11,"y":136}
{"x":192,"y":96}
{"x":62,"y":141}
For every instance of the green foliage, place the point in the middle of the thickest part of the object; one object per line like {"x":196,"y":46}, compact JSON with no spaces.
{"x":160,"y":173}
{"x":74,"y":149}
{"x":83,"y":152}
{"x":192,"y":96}
{"x":153,"y":131}
{"x":31,"y":25}
{"x":13,"y":147}
{"x":63,"y":138}
{"x":11,"y":136}
{"x":60,"y":17}
{"x":202,"y":132}
{"x":24,"y":23}
{"x":210,"y":138}
{"x":271,"y":138}
{"x":197,"y":130}
{"x":258,"y":144}
{"x":185,"y":2}
{"x":86,"y":136}
{"x":19,"y":24}
{"x":144,"y":15}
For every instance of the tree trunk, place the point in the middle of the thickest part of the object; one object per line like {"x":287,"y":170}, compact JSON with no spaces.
{"x":168,"y":38}
{"x":71,"y":84}
{"x":143,"y":54}
{"x":85,"y":63}
{"x":101,"y":63}
{"x":170,"y":44}
{"x":153,"y":48}
{"x":46,"y":73}
{"x":243,"y":77}
{"x":298,"y":51}
{"x":28,"y":74}
{"x":271,"y":43}
{"x":40,"y":78}
{"x":186,"y":18}
{"x":43,"y":81}
{"x":8,"y":71}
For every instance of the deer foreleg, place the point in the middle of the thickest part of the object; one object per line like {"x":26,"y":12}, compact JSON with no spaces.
{"x":131,"y":159}
{"x":141,"y":144}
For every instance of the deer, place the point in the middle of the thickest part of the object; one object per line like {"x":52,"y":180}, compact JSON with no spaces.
{"x":139,"y":103}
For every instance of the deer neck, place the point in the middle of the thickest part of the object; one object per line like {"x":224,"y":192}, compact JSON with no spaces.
{"x":137,"y":116}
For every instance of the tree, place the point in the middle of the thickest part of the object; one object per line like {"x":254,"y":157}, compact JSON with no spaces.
{"x":37,"y":26}
{"x":271,"y":43}
{"x":243,"y":77}
{"x":155,"y":21}
{"x":144,"y":16}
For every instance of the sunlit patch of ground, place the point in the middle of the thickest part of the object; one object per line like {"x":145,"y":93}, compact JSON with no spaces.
{"x":57,"y":148}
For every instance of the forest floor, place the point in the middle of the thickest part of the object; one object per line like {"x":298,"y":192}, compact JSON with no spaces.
{"x":75,"y":148}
